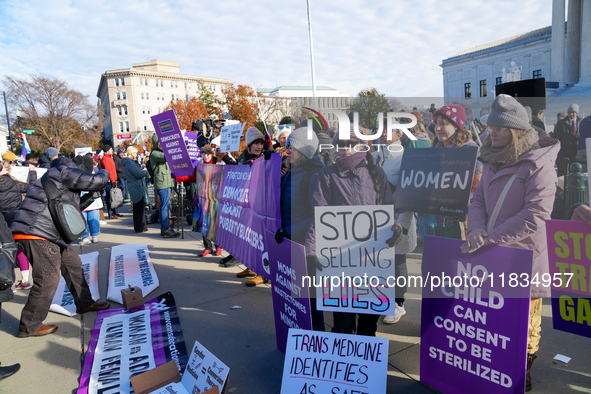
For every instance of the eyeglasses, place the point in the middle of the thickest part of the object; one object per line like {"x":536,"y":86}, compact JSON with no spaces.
{"x":284,"y":126}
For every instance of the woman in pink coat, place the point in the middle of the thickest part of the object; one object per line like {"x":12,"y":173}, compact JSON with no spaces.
{"x":514,"y":147}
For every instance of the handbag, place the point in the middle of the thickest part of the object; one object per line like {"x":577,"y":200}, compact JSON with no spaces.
{"x":7,"y":264}
{"x":65,"y":212}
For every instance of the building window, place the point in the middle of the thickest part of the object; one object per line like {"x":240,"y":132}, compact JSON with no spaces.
{"x":124,"y":96}
{"x":189,"y":85}
{"x":171,"y":84}
{"x":161,"y":83}
{"x":172,"y":96}
{"x":177,"y":96}
{"x":148,"y":110}
{"x":122,"y":81}
{"x":187,"y":97}
{"x":116,"y":81}
{"x":143,"y":96}
{"x":185,"y":85}
{"x":120,"y":111}
{"x":176,"y":84}
{"x":147,"y":95}
{"x":121,"y":127}
{"x":145,"y":125}
{"x":483,"y":88}
{"x":118,"y":95}
{"x":468,"y":90}
{"x":537,"y":74}
{"x":498,"y":80}
{"x":127,"y":126}
{"x":125,"y":109}
{"x":143,"y":110}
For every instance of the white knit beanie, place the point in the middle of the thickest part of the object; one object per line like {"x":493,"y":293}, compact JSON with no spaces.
{"x":253,"y":134}
{"x":299,"y":140}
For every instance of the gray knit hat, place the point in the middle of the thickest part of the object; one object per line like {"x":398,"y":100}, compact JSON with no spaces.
{"x":253,"y":134}
{"x":562,"y":114}
{"x":507,"y":112}
{"x":299,"y":140}
{"x":573,"y":107}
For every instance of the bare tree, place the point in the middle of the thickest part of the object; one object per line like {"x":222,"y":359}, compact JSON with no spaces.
{"x":61,"y":117}
{"x":273,"y":109}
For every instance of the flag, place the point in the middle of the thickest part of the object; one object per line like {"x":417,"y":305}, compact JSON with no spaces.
{"x":26,"y":148}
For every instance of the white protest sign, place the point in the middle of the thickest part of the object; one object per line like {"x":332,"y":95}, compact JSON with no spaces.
{"x":230,"y":137}
{"x":324,"y":362}
{"x":358,"y":265}
{"x":82,"y":151}
{"x":63,"y":301}
{"x":131,"y":265}
{"x":21,"y":173}
{"x":123,"y":350}
{"x":203,"y":371}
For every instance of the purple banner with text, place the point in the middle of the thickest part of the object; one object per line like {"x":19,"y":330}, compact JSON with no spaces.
{"x":172,"y":143}
{"x":569,"y":256}
{"x":466,"y":341}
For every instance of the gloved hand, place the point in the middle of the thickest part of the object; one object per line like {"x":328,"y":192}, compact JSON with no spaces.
{"x":475,"y":240}
{"x":397,"y":232}
{"x":313,"y":265}
{"x":267,"y":154}
{"x":280,"y":234}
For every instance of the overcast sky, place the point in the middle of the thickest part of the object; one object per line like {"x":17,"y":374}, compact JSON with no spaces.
{"x":395,"y":46}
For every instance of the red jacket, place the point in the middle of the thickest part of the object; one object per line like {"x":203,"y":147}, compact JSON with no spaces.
{"x":109,"y":164}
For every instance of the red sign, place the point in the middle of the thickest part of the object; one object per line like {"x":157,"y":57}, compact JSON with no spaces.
{"x":124,"y":136}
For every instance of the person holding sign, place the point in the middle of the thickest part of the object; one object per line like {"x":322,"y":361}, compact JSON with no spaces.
{"x":450,"y":132}
{"x":514,"y":199}
{"x":354,"y":179}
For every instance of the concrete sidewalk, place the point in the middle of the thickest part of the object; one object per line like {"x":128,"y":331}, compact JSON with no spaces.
{"x":243,"y":338}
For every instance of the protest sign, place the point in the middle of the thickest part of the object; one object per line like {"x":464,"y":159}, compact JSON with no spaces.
{"x":467,"y":301}
{"x":131,"y":265}
{"x":172,"y":143}
{"x":324,"y":362}
{"x":63,"y":301}
{"x":209,"y":180}
{"x":204,"y":371}
{"x":126,"y":344}
{"x":249,"y":199}
{"x":82,"y":151}
{"x":436,"y":181}
{"x":469,"y":113}
{"x":358,"y":265}
{"x":21,"y":174}
{"x":230,"y":137}
{"x":291,"y":301}
{"x":569,"y":257}
{"x":192,"y":147}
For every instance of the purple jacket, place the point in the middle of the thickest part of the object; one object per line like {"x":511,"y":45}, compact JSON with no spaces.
{"x":352,"y":187}
{"x":529,"y":202}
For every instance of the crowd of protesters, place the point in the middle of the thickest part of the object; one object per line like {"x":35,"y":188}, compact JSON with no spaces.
{"x":514,"y":148}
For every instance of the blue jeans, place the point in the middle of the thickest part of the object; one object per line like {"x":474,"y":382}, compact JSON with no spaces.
{"x":164,"y":195}
{"x":112,"y":212}
{"x":93,"y":219}
{"x":122,"y":186}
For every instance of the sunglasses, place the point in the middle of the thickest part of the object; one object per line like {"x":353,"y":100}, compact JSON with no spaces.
{"x":284,"y":126}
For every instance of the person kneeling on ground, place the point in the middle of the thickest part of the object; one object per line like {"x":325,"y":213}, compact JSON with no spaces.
{"x":37,"y":235}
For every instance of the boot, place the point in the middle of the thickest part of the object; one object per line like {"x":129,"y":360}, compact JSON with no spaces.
{"x":530,"y":361}
{"x":9,"y":371}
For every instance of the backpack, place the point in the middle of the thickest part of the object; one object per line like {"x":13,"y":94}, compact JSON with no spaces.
{"x":115,"y":198}
{"x":65,"y":212}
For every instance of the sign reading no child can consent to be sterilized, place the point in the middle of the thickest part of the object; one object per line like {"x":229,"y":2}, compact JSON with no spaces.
{"x":324,"y":362}
{"x":436,"y":180}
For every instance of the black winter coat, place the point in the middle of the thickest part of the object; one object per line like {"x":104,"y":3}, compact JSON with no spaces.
{"x":5,"y":237}
{"x":11,"y":194}
{"x":44,"y":162}
{"x":34,"y":218}
{"x":119,"y":167}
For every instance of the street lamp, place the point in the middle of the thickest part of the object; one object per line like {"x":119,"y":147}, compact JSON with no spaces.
{"x":19,"y":120}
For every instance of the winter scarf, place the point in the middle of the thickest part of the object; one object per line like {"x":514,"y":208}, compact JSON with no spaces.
{"x":509,"y":153}
{"x":346,"y":163}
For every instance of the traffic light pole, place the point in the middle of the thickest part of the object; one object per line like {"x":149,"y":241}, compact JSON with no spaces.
{"x":8,"y":122}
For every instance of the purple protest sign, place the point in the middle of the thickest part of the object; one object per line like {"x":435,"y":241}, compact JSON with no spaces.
{"x":569,"y":257}
{"x":468,"y":299}
{"x":291,"y":301}
{"x":172,"y":143}
{"x":249,"y":200}
{"x":192,"y":147}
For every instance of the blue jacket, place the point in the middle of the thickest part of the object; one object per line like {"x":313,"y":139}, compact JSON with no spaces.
{"x":296,"y":215}
{"x":134,"y":179}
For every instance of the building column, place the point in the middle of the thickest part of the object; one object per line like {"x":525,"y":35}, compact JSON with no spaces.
{"x":558,"y":38}
{"x":573,"y":42}
{"x":585,"y":65}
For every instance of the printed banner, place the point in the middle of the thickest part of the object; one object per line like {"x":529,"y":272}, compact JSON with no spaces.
{"x":324,"y":362}
{"x":249,"y":200}
{"x":358,"y":265}
{"x":436,"y":180}
{"x":203,"y":371}
{"x":131,"y":265}
{"x":209,"y":180}
{"x":468,"y":300}
{"x":172,"y":143}
{"x":291,"y":301}
{"x":569,"y":256}
{"x":126,"y":344}
{"x":230,"y":137}
{"x":63,"y":301}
